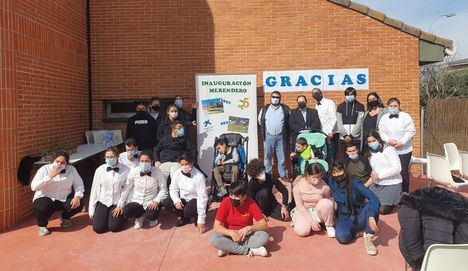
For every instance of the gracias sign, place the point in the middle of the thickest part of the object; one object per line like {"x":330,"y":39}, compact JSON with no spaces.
{"x":339,"y":79}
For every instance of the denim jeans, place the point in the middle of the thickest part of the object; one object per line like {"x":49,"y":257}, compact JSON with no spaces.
{"x":274,"y":144}
{"x":348,"y":226}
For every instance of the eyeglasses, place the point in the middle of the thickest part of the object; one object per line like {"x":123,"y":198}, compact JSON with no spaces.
{"x":275,"y":97}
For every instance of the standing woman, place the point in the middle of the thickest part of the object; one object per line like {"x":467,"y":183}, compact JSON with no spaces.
{"x":189,"y":197}
{"x":358,"y":208}
{"x":386,"y":178}
{"x":149,"y":189}
{"x":370,"y":122}
{"x":54,"y":185}
{"x":108,"y":182}
{"x":172,"y":114}
{"x":397,"y":130}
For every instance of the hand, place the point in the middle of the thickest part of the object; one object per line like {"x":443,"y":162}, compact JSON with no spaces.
{"x":235,"y":236}
{"x":347,"y":139}
{"x":374,"y":175}
{"x":220,"y":162}
{"x":195,"y":105}
{"x":75,"y":202}
{"x":315,"y":226}
{"x":392,"y":142}
{"x":179,"y":206}
{"x":201,"y":228}
{"x":117,"y":211}
{"x":368,"y":183}
{"x":292,"y":155}
{"x":55,"y":171}
{"x":330,"y":135}
{"x":153,"y":205}
{"x":398,"y":145}
{"x":244,"y":232}
{"x":194,"y":123}
{"x":373,"y":225}
{"x":285,"y":213}
{"x":157,"y":164}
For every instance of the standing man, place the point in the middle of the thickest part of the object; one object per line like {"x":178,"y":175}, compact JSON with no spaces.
{"x":327,"y":113}
{"x":274,"y":121}
{"x":184,"y":116}
{"x":156,"y":112}
{"x":142,"y":127}
{"x":302,"y":118}
{"x":348,"y":114}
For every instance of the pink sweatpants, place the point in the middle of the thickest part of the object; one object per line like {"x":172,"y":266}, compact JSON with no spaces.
{"x":325,"y":212}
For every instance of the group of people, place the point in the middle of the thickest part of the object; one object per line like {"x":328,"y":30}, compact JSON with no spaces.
{"x":158,"y":170}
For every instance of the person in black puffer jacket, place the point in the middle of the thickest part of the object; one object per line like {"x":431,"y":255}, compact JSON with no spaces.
{"x":431,"y":216}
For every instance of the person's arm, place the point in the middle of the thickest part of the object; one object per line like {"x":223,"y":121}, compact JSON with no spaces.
{"x":202,"y":199}
{"x":383,"y":129}
{"x":283,"y":190}
{"x":78,"y":185}
{"x":160,"y":132}
{"x":339,"y":121}
{"x":128,"y":186}
{"x":356,"y":132}
{"x":157,"y":151}
{"x":41,"y":179}
{"x":316,"y":124}
{"x":259,"y":118}
{"x":235,"y":157}
{"x":332,"y":108}
{"x":374,"y":202}
{"x":162,"y":193}
{"x":367,"y":166}
{"x":194,"y":114}
{"x":410,"y":130}
{"x":219,"y":228}
{"x":94,"y":194}
{"x":260,"y":223}
{"x":300,"y":205}
{"x":395,"y":166}
{"x":174,"y":189}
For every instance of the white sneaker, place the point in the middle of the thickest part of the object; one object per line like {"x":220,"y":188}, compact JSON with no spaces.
{"x":153,"y":223}
{"x":259,"y":251}
{"x":331,"y":232}
{"x":138,"y":223}
{"x":221,"y":253}
{"x":43,"y":231}
{"x":65,"y":223}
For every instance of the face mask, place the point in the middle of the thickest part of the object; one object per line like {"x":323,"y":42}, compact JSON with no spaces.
{"x":181,"y":132}
{"x":317,"y":96}
{"x":301,"y":105}
{"x":235,"y":202}
{"x":394,"y":111}
{"x":141,"y":112}
{"x":339,"y":178}
{"x":353,"y":156}
{"x":179,"y":103}
{"x":374,"y":146}
{"x":156,"y":107}
{"x":173,"y":115}
{"x":131,"y":153}
{"x":261,"y":176}
{"x":111,"y":162}
{"x":275,"y":101}
{"x":186,"y":169}
{"x":56,"y":165}
{"x":350,"y":98}
{"x":373,"y":103}
{"x":145,"y":167}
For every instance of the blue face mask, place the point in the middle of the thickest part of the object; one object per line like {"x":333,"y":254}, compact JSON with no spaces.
{"x":111,"y":162}
{"x":394,"y":111}
{"x":350,"y":98}
{"x":181,"y":132}
{"x":145,"y":167}
{"x":374,"y":146}
{"x":179,"y":103}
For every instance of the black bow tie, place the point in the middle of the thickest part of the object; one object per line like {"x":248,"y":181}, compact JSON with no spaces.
{"x":116,"y":169}
{"x":62,"y":171}
{"x":135,"y":156}
{"x":187,"y":174}
{"x":145,"y":173}
{"x":319,"y":103}
{"x":393,"y":116}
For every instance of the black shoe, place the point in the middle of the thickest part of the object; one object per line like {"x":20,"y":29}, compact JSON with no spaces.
{"x":182,"y":221}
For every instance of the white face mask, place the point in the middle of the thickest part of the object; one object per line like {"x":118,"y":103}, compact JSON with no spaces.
{"x":261,"y":176}
{"x":59,"y":165}
{"x":353,"y":156}
{"x":173,"y":115}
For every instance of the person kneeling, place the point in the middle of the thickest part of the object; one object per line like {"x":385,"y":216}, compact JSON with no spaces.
{"x":239,"y":226}
{"x":226,"y":162}
{"x":313,"y":202}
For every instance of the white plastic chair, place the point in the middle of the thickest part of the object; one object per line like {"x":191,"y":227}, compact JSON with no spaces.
{"x":443,"y":257}
{"x":464,"y":166}
{"x":438,"y":170}
{"x":453,"y":156}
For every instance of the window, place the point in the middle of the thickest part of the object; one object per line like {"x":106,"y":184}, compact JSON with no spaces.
{"x":121,"y":110}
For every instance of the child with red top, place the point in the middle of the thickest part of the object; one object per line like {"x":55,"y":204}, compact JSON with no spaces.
{"x":239,"y":226}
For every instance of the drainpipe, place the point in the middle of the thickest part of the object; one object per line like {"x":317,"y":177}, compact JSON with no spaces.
{"x":88,"y":43}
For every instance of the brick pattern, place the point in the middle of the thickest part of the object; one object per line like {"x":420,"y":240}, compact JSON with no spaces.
{"x":44,"y":89}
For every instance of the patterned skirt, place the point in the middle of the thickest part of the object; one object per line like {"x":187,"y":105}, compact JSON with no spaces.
{"x":387,"y":194}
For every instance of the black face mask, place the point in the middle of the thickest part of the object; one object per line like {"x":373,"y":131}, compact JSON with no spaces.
{"x":156,"y":107}
{"x":373,"y":103}
{"x":340,"y":178}
{"x":301,"y":105}
{"x":317,"y":96}
{"x":141,"y":111}
{"x":235,"y":202}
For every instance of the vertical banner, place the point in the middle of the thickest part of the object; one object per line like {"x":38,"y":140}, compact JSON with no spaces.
{"x":227,"y":103}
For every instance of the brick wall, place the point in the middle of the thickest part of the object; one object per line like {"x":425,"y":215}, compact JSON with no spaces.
{"x":43,"y":90}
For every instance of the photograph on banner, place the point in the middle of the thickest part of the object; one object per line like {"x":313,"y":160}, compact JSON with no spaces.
{"x":229,"y":103}
{"x":306,"y":80}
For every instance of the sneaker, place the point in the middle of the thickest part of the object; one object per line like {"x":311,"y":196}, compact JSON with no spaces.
{"x":331,"y":232}
{"x":221,"y":253}
{"x":138,"y":223}
{"x":43,"y":231}
{"x":369,"y":244}
{"x":153,"y":223}
{"x":65,"y":223}
{"x":259,"y":251}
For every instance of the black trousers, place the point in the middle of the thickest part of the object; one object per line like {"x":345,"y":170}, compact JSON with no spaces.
{"x":190,"y":208}
{"x":268,"y":204}
{"x":405,"y":160}
{"x":104,"y":221}
{"x":44,"y":208}
{"x":136,"y":210}
{"x":333,"y":147}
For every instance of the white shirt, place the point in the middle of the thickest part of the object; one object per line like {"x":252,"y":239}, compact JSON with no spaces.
{"x":327,"y":115}
{"x":123,"y":160}
{"x":146,"y":189}
{"x":401,"y":129}
{"x":183,"y":187}
{"x":58,"y":187}
{"x":107,"y":186}
{"x":387,"y":165}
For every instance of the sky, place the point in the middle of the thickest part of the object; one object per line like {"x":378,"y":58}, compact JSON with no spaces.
{"x":421,"y":13}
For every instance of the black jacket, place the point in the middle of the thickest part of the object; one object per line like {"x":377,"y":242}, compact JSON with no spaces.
{"x":286,"y":119}
{"x":142,"y":127}
{"x":169,"y":149}
{"x":254,"y":187}
{"x":431,"y":216}
{"x":297,"y":123}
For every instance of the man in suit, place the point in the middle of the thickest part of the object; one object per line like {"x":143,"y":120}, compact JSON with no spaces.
{"x":302,"y":118}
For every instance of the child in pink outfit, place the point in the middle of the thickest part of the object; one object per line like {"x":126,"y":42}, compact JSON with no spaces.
{"x":313,"y":202}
